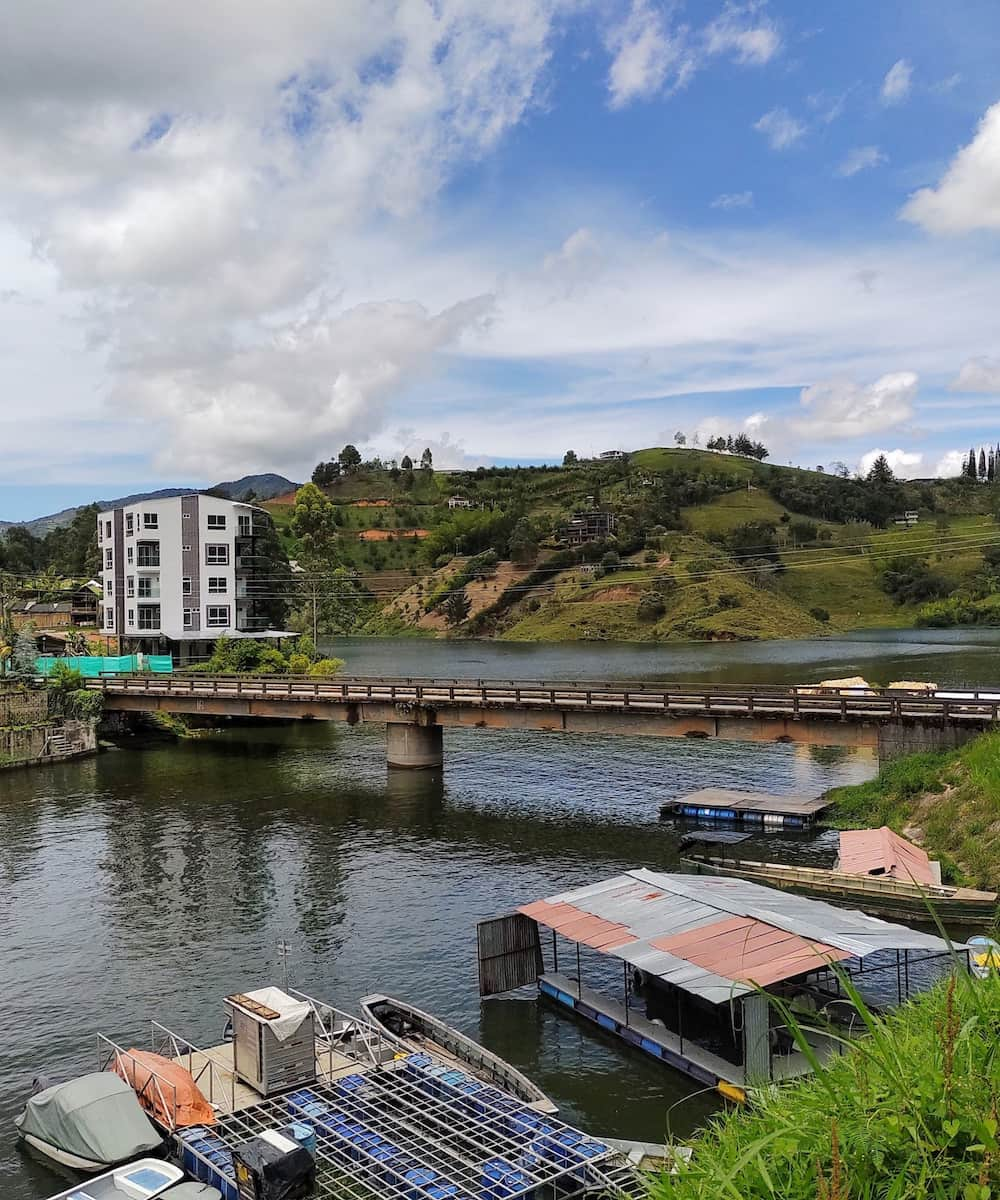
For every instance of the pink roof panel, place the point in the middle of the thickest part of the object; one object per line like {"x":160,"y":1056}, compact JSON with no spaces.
{"x":882,"y":852}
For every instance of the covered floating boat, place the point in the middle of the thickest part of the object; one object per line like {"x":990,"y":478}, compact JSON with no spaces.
{"x":89,"y":1124}
{"x":139,"y":1180}
{"x":877,"y":871}
{"x":985,"y":956}
{"x":421,"y":1031}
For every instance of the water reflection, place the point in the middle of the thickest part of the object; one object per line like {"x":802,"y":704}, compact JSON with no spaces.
{"x":153,"y":882}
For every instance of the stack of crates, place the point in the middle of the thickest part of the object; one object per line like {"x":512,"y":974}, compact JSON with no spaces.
{"x":206,"y":1157}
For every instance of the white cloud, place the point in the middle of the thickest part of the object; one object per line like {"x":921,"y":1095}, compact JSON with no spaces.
{"x":756,"y":422}
{"x":897,"y":82}
{"x":905,"y":464}
{"x":943,"y":86}
{"x":649,"y":56}
{"x":200,"y":198}
{"x":733,"y":200}
{"x":968,"y":196}
{"x":842,"y":408}
{"x":742,"y":31}
{"x":781,"y":129}
{"x":952,"y":464}
{"x":978,"y":375}
{"x":860,"y":159}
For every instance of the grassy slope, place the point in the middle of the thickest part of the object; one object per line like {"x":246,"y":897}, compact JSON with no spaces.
{"x":949,"y":802}
{"x":909,"y":1112}
{"x":821,"y":578}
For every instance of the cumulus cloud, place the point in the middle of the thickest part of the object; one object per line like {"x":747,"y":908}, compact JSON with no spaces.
{"x":648,"y":56}
{"x":897,"y":82}
{"x":968,"y":196}
{"x":744,"y":32}
{"x":952,"y":464}
{"x":781,"y":129}
{"x":201,"y":194}
{"x":904,"y":463}
{"x":860,"y":159}
{"x":733,"y":200}
{"x":978,"y":375}
{"x":843,"y":408}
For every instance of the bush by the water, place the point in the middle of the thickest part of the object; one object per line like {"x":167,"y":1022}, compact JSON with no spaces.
{"x":247,"y":656}
{"x":910,"y":1112}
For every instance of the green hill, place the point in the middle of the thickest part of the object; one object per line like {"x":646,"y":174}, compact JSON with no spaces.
{"x":706,"y":545}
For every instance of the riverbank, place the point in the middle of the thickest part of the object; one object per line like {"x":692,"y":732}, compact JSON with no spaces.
{"x":909,"y":1112}
{"x":949,"y":803}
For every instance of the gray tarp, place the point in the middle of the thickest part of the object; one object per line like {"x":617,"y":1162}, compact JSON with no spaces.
{"x":96,"y":1117}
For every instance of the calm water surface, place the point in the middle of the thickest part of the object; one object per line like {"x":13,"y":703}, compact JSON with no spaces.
{"x":152,"y":882}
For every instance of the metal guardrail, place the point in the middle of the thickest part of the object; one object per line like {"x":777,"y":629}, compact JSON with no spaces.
{"x":806,"y":703}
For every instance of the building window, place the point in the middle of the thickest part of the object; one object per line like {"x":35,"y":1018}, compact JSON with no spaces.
{"x":109,"y":587}
{"x":186,"y":516}
{"x":217,"y":615}
{"x":129,"y":524}
{"x":149,"y":616}
{"x":216,"y":584}
{"x":151,"y":520}
{"x":186,"y":549}
{"x":130,"y":587}
{"x":186,"y":585}
{"x":216,"y":521}
{"x":109,"y":618}
{"x":107,"y":559}
{"x":149,"y":587}
{"x":131,"y":616}
{"x":246,"y":526}
{"x":189,"y":618}
{"x":149,"y":554}
{"x":130,"y":555}
{"x":217,"y":554}
{"x":107,"y":529}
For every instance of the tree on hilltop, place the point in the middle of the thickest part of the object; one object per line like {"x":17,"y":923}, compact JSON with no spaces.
{"x":426,"y":459}
{"x":349,"y":458}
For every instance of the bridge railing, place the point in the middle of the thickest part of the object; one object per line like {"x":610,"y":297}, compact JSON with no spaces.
{"x":686,"y":699}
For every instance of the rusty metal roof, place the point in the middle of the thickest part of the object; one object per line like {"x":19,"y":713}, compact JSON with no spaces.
{"x":882,"y":852}
{"x":717,"y":937}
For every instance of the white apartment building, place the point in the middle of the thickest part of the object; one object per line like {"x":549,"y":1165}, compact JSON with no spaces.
{"x":181,"y":571}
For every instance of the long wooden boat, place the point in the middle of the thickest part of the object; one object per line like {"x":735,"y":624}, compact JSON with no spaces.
{"x":421,"y":1031}
{"x":879,"y":895}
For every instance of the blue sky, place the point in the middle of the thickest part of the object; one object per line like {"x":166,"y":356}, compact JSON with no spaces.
{"x":500,"y":233}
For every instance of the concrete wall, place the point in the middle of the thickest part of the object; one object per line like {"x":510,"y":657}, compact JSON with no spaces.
{"x":895,"y":739}
{"x":28,"y":736}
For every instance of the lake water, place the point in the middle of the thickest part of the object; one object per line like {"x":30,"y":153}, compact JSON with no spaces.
{"x":151,"y":882}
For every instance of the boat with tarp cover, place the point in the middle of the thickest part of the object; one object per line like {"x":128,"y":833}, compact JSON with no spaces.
{"x":88,"y":1124}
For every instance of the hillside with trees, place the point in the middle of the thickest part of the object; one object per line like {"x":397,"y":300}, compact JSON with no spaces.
{"x":692,"y":543}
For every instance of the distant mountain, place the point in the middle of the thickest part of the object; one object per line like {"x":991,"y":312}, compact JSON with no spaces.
{"x":263,"y":487}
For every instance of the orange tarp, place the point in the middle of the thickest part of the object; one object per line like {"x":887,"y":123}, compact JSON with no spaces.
{"x":883,"y":852}
{"x":165,"y":1089}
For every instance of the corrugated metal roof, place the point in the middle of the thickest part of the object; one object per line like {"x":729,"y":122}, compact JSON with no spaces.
{"x":715,"y":936}
{"x":882,"y":852}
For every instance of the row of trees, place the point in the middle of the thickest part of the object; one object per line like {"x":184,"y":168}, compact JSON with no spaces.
{"x":350,"y":462}
{"x":982,"y":467}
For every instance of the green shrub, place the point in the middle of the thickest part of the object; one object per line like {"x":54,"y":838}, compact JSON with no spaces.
{"x":299,"y":664}
{"x":651,"y":606}
{"x":326,"y":666}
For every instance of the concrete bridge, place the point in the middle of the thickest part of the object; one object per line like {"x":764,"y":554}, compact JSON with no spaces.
{"x":416,"y":711}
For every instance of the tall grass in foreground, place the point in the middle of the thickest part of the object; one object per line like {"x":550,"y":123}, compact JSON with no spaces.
{"x":910,"y":1111}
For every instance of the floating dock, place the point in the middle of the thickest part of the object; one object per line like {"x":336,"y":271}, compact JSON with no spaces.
{"x":751,"y":808}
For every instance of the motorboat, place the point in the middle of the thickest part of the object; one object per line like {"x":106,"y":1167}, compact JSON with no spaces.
{"x":139,"y":1180}
{"x":421,"y":1031}
{"x":89,"y":1124}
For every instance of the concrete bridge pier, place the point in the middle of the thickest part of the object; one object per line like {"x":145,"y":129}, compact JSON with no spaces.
{"x":413,"y":746}
{"x":898,"y":738}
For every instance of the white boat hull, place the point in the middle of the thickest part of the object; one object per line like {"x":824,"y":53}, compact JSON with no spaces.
{"x":63,"y":1157}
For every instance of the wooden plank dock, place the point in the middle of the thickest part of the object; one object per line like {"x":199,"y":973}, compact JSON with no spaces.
{"x":757,"y":808}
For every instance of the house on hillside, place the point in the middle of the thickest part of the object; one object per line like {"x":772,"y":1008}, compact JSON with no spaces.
{"x":612,"y":455}
{"x":74,"y":607}
{"x":907,"y":519}
{"x":459,"y":502}
{"x":592,"y":526}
